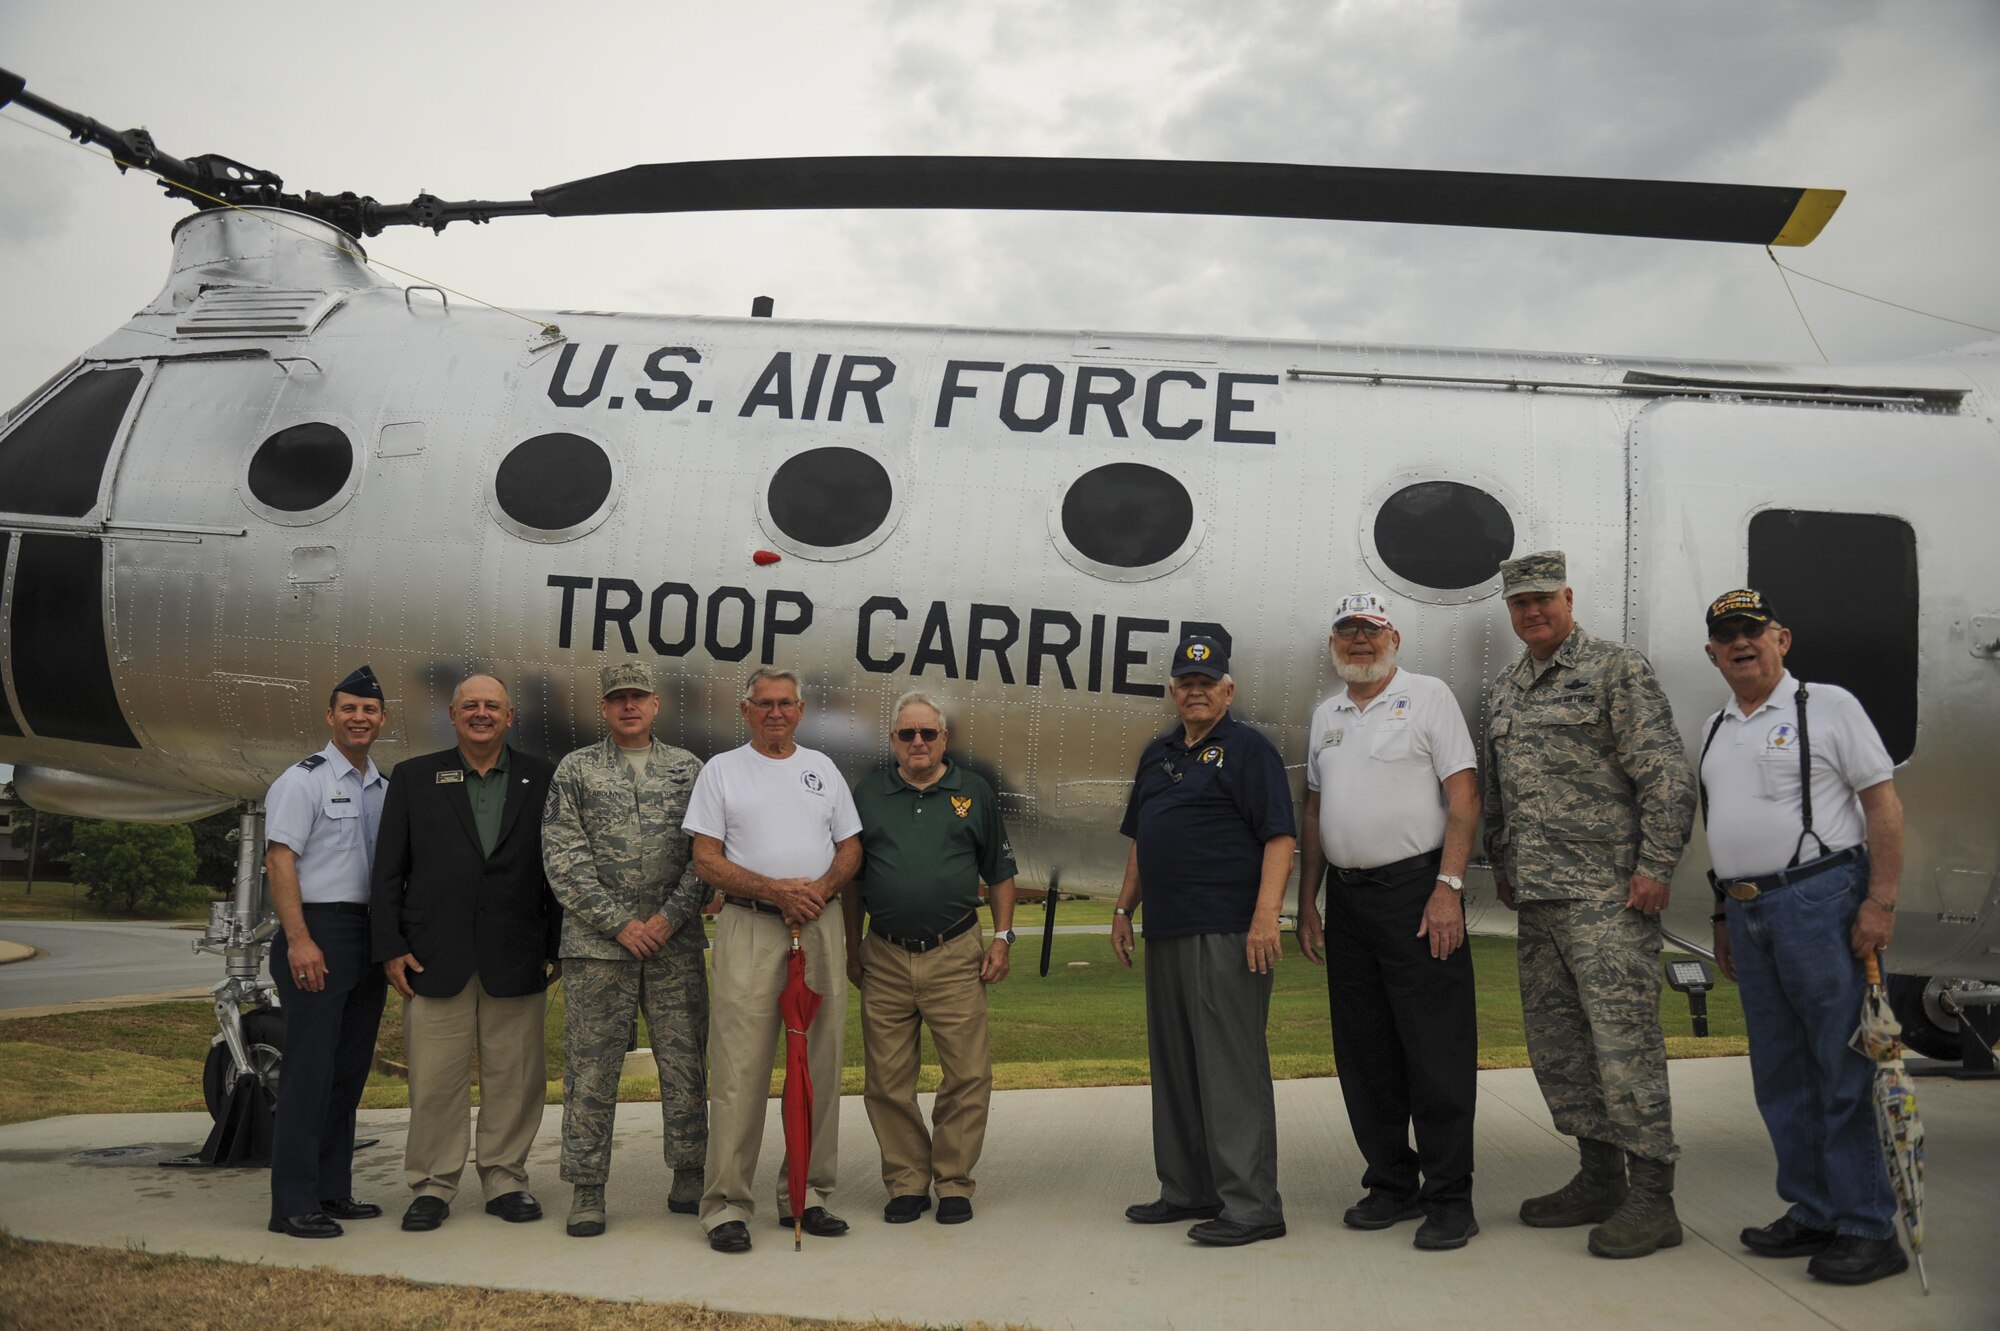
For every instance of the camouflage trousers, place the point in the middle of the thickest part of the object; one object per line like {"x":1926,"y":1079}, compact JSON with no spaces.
{"x":1590,"y":1000}
{"x":600,"y":1003}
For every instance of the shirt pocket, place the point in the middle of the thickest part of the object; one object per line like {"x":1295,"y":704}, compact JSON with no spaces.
{"x":1778,"y":775}
{"x":1393,"y":742}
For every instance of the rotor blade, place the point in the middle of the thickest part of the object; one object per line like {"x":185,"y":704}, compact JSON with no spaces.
{"x":1675,"y":210}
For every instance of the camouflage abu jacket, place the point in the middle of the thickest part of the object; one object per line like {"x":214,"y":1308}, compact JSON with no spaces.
{"x":1586,"y":779}
{"x":614,"y":850}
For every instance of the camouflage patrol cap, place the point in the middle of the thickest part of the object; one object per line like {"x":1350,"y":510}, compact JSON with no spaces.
{"x":1543,"y":571}
{"x":626,"y":675}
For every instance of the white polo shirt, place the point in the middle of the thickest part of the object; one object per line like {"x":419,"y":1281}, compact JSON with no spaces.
{"x":1752,"y":775}
{"x":778,"y":817}
{"x":1380,"y":770}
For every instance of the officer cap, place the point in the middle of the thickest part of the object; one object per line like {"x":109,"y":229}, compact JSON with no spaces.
{"x":1543,"y":571}
{"x":1364,"y":606}
{"x":1743,"y":603}
{"x":1200,"y":656}
{"x":626,"y":675}
{"x":361,"y":684}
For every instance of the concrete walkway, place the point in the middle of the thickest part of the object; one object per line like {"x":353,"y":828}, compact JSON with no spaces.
{"x":1049,"y":1248}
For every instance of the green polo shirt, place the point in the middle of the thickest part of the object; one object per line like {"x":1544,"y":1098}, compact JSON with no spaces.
{"x":925,"y":851}
{"x":489,"y":800}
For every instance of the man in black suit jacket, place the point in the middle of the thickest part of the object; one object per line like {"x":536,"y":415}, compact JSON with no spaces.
{"x":467,"y":929}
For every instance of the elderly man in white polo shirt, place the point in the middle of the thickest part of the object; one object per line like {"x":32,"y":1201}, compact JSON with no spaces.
{"x":1806,"y":871}
{"x":1392,"y":802}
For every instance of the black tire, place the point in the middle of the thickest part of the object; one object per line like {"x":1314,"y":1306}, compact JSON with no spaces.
{"x":264,"y":1041}
{"x":1922,"y":1031}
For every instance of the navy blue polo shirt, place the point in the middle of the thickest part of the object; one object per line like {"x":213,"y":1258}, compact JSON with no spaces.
{"x":1201,"y":817}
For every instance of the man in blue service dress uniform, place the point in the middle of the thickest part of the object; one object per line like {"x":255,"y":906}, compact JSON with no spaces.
{"x":1806,"y":879}
{"x":1210,"y":817}
{"x":320,"y":822}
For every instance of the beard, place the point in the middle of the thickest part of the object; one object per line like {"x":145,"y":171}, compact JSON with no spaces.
{"x":1375,"y":671}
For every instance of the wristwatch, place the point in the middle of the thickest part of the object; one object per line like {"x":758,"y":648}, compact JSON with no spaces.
{"x":1452,"y":881}
{"x":1005,"y":936}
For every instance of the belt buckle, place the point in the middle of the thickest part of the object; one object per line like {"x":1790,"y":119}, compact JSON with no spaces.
{"x":1743,"y":891}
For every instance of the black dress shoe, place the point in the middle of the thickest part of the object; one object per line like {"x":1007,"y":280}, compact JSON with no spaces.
{"x":1445,"y":1228}
{"x":1164,"y":1212}
{"x":516,"y":1208}
{"x":954,"y":1210}
{"x":1381,"y":1209}
{"x":1786,"y":1237}
{"x":346,"y":1208}
{"x":902,"y":1210}
{"x":426,"y":1213}
{"x":311,"y":1225}
{"x":1220,"y":1233}
{"x":730,"y":1236}
{"x":683,"y":1208}
{"x":819,"y":1222}
{"x":1851,"y":1260}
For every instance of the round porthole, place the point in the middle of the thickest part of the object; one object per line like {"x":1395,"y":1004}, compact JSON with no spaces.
{"x":1126,"y":521}
{"x":554,"y":487}
{"x":302,"y":473}
{"x":1437,"y":540}
{"x":829,"y":503}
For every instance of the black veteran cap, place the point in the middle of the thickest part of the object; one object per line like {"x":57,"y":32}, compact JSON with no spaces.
{"x":1200,"y":656}
{"x":361,"y":684}
{"x":1743,"y":603}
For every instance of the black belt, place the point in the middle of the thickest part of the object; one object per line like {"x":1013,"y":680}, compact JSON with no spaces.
{"x":1396,"y":870}
{"x":337,"y":907}
{"x":926,"y":944}
{"x":1750,"y":888}
{"x":751,"y":903}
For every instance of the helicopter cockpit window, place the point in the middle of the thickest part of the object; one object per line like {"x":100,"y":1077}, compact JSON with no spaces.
{"x":1126,"y":521}
{"x":554,"y":487}
{"x":1438,"y":541}
{"x":829,"y":503}
{"x":52,"y":461}
{"x":301,"y":468}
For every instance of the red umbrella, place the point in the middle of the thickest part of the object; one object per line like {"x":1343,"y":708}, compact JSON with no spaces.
{"x":797,"y":1006}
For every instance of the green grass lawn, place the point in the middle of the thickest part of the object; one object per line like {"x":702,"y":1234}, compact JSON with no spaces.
{"x":59,"y":900}
{"x":1082,"y":1026}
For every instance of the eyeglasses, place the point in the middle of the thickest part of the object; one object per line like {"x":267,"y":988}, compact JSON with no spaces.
{"x":1727,"y":632}
{"x":1359,"y":629}
{"x":774,"y":704}
{"x":908,"y":733}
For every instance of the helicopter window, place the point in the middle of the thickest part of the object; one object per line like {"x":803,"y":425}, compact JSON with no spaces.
{"x":1816,"y":568}
{"x":553,"y":484}
{"x":829,"y":498}
{"x":64,"y":685}
{"x":8,"y":725}
{"x":301,"y":467}
{"x":1127,"y":515}
{"x":1443,"y":534}
{"x":53,"y":460}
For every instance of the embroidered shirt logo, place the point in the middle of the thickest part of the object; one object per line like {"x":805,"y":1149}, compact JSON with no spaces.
{"x":812,"y":782}
{"x":1783,"y":736}
{"x":961,"y":805}
{"x":1211,"y":755}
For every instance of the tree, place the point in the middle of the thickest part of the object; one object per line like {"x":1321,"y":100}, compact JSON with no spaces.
{"x":135,"y":868}
{"x":54,"y":846}
{"x":215,"y":851}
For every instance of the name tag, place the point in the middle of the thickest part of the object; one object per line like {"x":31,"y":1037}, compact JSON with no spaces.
{"x":1333,"y":737}
{"x":452,"y":778}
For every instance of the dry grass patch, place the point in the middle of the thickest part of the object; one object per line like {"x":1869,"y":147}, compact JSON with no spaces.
{"x":55,"y":1285}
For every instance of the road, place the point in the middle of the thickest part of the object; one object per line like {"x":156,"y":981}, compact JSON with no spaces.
{"x":92,"y":961}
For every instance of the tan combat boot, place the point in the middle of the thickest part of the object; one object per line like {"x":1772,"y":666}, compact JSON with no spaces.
{"x":1588,"y":1199}
{"x":1646,"y":1221}
{"x":586,"y":1212}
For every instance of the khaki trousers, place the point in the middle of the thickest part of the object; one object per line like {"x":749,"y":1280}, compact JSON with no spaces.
{"x":439,"y":1035}
{"x":900,"y":992}
{"x":743,"y":1028}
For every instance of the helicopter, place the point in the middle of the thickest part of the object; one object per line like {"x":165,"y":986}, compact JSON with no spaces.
{"x":287,"y":463}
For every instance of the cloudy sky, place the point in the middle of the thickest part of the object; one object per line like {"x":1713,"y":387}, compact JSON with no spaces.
{"x":1898,"y":104}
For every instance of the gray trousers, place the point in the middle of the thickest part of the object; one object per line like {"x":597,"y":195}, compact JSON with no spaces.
{"x":1215,"y":1123}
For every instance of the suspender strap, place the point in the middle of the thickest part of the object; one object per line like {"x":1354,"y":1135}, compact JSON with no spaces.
{"x":1805,"y":785}
{"x":1714,"y":883}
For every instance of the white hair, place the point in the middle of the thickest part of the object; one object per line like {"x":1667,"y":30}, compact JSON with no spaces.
{"x":762,"y":673}
{"x":918,"y":698}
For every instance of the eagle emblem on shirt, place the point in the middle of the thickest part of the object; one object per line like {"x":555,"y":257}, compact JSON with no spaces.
{"x":1212,"y":754}
{"x":961,"y":805}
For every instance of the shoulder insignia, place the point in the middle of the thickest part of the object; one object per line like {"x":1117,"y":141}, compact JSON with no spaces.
{"x":451,"y":776}
{"x":552,"y":806}
{"x":961,"y":805}
{"x":317,"y":760}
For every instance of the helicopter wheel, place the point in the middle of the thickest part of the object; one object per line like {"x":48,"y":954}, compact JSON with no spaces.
{"x":264,"y":1042}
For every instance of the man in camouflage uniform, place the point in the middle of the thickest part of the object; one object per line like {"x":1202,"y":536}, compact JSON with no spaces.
{"x":632,"y":936}
{"x":1589,"y":800}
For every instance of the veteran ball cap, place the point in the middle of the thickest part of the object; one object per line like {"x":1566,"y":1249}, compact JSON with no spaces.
{"x":1743,"y":603}
{"x":1364,"y":606}
{"x":1200,"y":656}
{"x":1543,"y":571}
{"x":626,"y":675}
{"x":361,"y":684}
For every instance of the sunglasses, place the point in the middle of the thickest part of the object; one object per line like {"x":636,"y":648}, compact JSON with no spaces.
{"x":908,"y":733}
{"x":1362,"y":629}
{"x":1725,"y":633}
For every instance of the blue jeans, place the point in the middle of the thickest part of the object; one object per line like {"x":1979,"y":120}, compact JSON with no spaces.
{"x":1802,"y":992}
